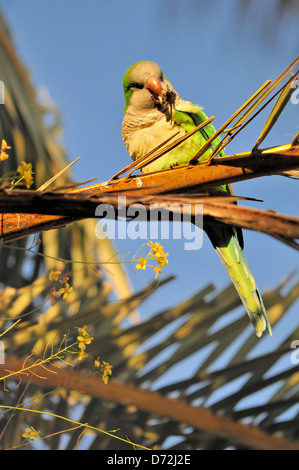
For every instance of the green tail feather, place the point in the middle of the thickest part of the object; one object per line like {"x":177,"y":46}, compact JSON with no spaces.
{"x":227,"y":246}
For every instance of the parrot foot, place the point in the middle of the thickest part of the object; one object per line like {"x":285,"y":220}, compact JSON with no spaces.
{"x":172,"y":165}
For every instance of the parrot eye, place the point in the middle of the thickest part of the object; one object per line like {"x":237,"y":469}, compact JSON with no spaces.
{"x":136,"y":85}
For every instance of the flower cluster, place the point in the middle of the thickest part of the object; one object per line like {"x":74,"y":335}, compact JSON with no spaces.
{"x":25,"y":170}
{"x":31,"y":433}
{"x":105,"y":369}
{"x":83,"y":339}
{"x":142,"y":263}
{"x":65,"y":288}
{"x":3,"y":154}
{"x":156,"y":254}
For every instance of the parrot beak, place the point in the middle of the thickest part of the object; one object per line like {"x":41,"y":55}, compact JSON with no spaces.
{"x":154,"y":87}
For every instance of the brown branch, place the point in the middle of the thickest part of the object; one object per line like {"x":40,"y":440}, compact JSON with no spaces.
{"x":80,"y":206}
{"x":25,"y":212}
{"x":199,"y":417}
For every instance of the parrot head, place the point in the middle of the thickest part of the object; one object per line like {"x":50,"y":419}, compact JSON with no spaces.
{"x":145,"y":87}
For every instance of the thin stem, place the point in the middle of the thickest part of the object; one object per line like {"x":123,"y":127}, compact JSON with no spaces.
{"x":88,"y":426}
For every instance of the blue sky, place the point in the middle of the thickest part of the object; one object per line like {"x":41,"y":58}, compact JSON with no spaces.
{"x":213,"y":56}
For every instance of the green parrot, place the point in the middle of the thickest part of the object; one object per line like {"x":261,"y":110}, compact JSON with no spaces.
{"x":153,"y":113}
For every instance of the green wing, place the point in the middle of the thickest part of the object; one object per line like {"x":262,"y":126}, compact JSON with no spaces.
{"x":196,"y":115}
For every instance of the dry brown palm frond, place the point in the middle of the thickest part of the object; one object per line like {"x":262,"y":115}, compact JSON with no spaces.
{"x":217,"y":209}
{"x":22,"y":125}
{"x":205,"y":329}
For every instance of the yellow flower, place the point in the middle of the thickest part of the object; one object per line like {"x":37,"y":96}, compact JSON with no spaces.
{"x":4,"y":145}
{"x":156,"y":248}
{"x":3,"y":154}
{"x":159,"y":256}
{"x":141,"y":264}
{"x":82,"y":331}
{"x":66,"y":290}
{"x":105,"y":378}
{"x":25,"y":170}
{"x":82,"y":355}
{"x":53,"y":275}
{"x":83,"y":340}
{"x":158,"y":253}
{"x":107,"y":371}
{"x":97,"y":363}
{"x":157,"y":271}
{"x":31,"y":433}
{"x":107,"y":368}
{"x":161,"y":260}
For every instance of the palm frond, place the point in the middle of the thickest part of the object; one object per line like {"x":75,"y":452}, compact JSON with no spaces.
{"x":22,"y":125}
{"x":205,"y":409}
